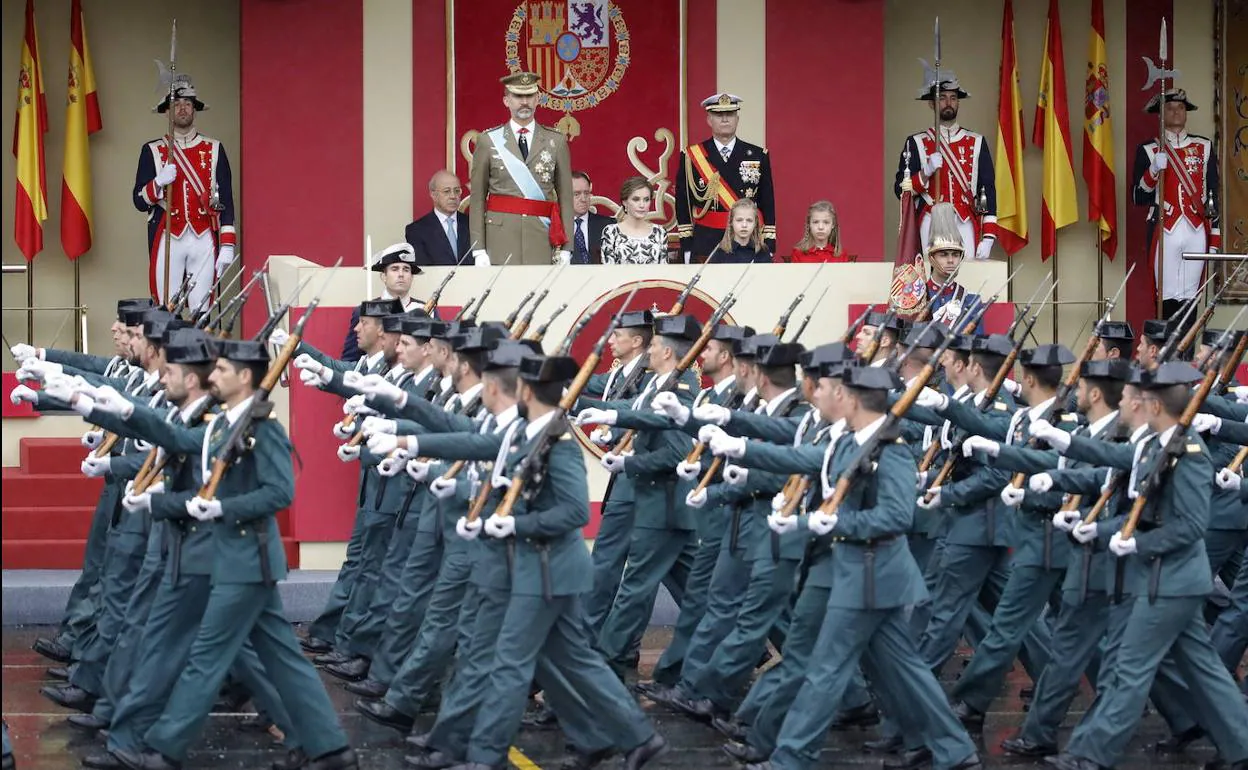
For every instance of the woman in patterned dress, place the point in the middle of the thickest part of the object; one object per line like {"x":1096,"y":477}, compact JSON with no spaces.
{"x":634,"y":240}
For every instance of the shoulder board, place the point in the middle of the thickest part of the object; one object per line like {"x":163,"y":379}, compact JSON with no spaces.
{"x":493,"y":128}
{"x":682,"y":386}
{"x":209,"y":417}
{"x":552,"y":129}
{"x":1000,"y":406}
{"x":1193,"y":448}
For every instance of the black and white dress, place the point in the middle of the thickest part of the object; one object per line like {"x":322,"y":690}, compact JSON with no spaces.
{"x":621,"y":249}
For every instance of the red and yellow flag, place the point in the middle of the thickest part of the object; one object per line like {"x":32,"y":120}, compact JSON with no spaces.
{"x":1098,"y":137}
{"x":1011,"y":187}
{"x":30,"y":125}
{"x":82,"y":118}
{"x":1052,"y":132}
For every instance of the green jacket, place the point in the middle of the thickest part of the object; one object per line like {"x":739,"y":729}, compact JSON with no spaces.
{"x":976,"y":516}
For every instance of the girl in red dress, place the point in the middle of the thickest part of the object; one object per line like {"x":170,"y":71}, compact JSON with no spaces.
{"x":822,"y":241}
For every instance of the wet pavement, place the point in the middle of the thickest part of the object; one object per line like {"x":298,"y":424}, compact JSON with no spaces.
{"x":44,"y":741}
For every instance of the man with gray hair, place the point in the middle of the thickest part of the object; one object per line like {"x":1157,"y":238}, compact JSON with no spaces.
{"x":441,"y":237}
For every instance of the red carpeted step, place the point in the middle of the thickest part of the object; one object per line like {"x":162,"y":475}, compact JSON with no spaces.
{"x":40,"y":490}
{"x":43,"y":554}
{"x":47,"y":522}
{"x":52,"y":455}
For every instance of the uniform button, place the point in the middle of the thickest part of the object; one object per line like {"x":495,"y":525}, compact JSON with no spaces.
{"x":242,"y":532}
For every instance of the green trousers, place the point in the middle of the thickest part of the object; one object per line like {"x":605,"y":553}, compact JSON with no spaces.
{"x":654,"y":556}
{"x":407,"y":613}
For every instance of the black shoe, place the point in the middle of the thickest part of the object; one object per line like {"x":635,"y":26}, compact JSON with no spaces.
{"x":354,"y":670}
{"x":314,"y":645}
{"x":295,"y":760}
{"x":1027,"y":693}
{"x":729,"y":728}
{"x":369,"y":688}
{"x":1071,"y":762}
{"x":971,"y":719}
{"x":256,"y":723}
{"x":70,"y":697}
{"x":640,"y":755}
{"x":970,"y":763}
{"x":88,"y":722}
{"x":418,"y":740}
{"x":8,"y":762}
{"x":148,"y":760}
{"x":331,"y":657}
{"x":859,"y":716}
{"x":665,"y":696}
{"x":743,"y":752}
{"x":910,"y":760}
{"x":384,"y":714}
{"x":884,"y":745}
{"x":1222,"y":764}
{"x":231,"y":701}
{"x":582,"y":761}
{"x":102,"y":761}
{"x":539,"y":718}
{"x":434,"y":760}
{"x":343,"y":759}
{"x":1023,"y":747}
{"x":477,"y":766}
{"x":60,"y":673}
{"x":52,"y":650}
{"x":701,"y":709}
{"x":1176,"y":743}
{"x":645,"y":689}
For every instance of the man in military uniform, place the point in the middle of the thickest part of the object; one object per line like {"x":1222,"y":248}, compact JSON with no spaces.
{"x":716,"y":173}
{"x":1189,"y":165}
{"x":200,"y":201}
{"x":958,"y":170}
{"x":945,"y":249}
{"x":521,"y":202}
{"x":398,"y":268}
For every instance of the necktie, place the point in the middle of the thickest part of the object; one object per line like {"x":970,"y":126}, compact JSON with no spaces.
{"x":725,"y":152}
{"x":578,"y":242}
{"x":524,"y":143}
{"x":450,"y":234}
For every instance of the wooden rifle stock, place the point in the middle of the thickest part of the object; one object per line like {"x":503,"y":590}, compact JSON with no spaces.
{"x":794,"y":490}
{"x":1238,"y":462}
{"x":1227,"y":375}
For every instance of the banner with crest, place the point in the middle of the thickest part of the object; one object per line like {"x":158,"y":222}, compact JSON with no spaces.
{"x":592,"y":87}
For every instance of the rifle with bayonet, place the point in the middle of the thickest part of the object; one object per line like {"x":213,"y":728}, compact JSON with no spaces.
{"x":489,"y":287}
{"x":522,"y":326}
{"x":1194,"y":330}
{"x":797,"y":335}
{"x":678,"y":306}
{"x":511,"y":318}
{"x":431,"y":304}
{"x":783,"y":324}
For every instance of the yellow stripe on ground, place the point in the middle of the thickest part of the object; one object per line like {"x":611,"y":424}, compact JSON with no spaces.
{"x":517,"y":758}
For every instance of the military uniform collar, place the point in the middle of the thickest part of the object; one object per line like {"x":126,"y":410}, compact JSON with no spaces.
{"x":515,"y":130}
{"x":1177,"y":138}
{"x":731,"y":144}
{"x":1097,"y":427}
{"x":1035,"y":412}
{"x":1164,"y":438}
{"x":423,"y":374}
{"x":370,"y":362}
{"x":151,"y":379}
{"x":235,"y":412}
{"x":962,"y":393}
{"x":951,"y":132}
{"x":724,"y":384}
{"x":468,"y":395}
{"x":774,"y":404}
{"x":534,"y":428}
{"x":188,"y":140}
{"x":184,"y":414}
{"x":1138,"y":434}
{"x":861,"y":436}
{"x":505,"y":418}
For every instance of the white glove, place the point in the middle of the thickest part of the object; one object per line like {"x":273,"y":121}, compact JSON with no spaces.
{"x":443,"y":489}
{"x":781,"y":525}
{"x":778,"y":501}
{"x":984,"y":250}
{"x":1056,"y":437}
{"x":708,"y":432}
{"x":712,"y":413}
{"x":1206,"y":423}
{"x":688,"y":471}
{"x":727,"y":446}
{"x":393,"y":465}
{"x":1241,"y":393}
{"x":1160,"y":161}
{"x":613,"y":463}
{"x":907,"y":185}
{"x":166,"y":175}
{"x":140,"y":444}
{"x":279,"y":338}
{"x":312,"y":373}
{"x":1228,"y":480}
{"x":203,"y":510}
{"x":1039,"y":483}
{"x":500,"y":526}
{"x":348,"y":453}
{"x":696,"y":498}
{"x":1012,"y":495}
{"x":1119,"y":547}
{"x":352,"y":380}
{"x":597,"y":416}
{"x":352,"y":405}
{"x":91,"y":439}
{"x":23,"y":393}
{"x":480,"y":258}
{"x":921,"y":480}
{"x":418,"y":469}
{"x":373,"y":425}
{"x":601,"y":436}
{"x":468,"y":530}
{"x":1015,"y":389}
{"x":667,"y":403}
{"x":107,"y":399}
{"x":94,"y":467}
{"x":1066,"y":520}
{"x":932,"y":399}
{"x":42,"y":370}
{"x":735,"y":474}
{"x":562,"y":257}
{"x":821,"y":523}
{"x":313,"y":379}
{"x":383,"y":443}
{"x":21,"y":351}
{"x":60,"y":388}
{"x":225,"y":258}
{"x":341,"y":432}
{"x":377,"y":385}
{"x":137,"y":503}
{"x":932,"y":163}
{"x":930,"y":500}
{"x":980,"y":444}
{"x":1084,"y":533}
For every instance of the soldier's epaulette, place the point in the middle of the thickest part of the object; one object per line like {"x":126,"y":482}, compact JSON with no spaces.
{"x":1193,"y":448}
{"x":548,"y":128}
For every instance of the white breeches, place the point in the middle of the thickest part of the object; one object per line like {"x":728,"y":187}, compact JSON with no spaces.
{"x":1180,"y":279}
{"x":193,"y":255}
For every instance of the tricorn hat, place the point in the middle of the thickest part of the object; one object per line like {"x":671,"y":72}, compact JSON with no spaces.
{"x":137,"y":303}
{"x":1106,"y":369}
{"x":380,"y":308}
{"x":993,"y":345}
{"x":779,"y":355}
{"x":534,"y":368}
{"x":423,"y":328}
{"x":815,"y":359}
{"x":507,"y":354}
{"x":188,"y":346}
{"x":1156,"y":330}
{"x":871,"y":378}
{"x":681,"y":327}
{"x":243,"y":351}
{"x":479,"y":338}
{"x":156,"y":324}
{"x":1046,"y":355}
{"x":1172,"y":95}
{"x":1169,"y":374}
{"x":180,"y":88}
{"x":731,"y":334}
{"x":635,"y":319}
{"x":1211,"y":336}
{"x":927,"y":336}
{"x":1120,"y":331}
{"x":748,"y":348}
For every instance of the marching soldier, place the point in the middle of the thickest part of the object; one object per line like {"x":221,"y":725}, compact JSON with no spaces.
{"x":1189,"y":201}
{"x":714,"y":174}
{"x":957,"y":170}
{"x":521,"y":201}
{"x":191,"y":193}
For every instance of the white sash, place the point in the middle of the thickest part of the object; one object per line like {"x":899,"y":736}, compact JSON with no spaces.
{"x":519,"y":171}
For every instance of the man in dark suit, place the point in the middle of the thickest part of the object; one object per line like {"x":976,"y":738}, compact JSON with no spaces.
{"x":397,"y":265}
{"x":586,"y":225}
{"x":431,"y":236}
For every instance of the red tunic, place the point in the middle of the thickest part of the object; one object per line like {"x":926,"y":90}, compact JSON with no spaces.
{"x":824,"y":254}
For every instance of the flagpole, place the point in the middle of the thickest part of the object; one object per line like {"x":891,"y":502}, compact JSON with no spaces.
{"x":1100,"y":264}
{"x":1056,"y":304}
{"x":78,"y":307}
{"x":30,"y":301}
{"x":1162,"y":50}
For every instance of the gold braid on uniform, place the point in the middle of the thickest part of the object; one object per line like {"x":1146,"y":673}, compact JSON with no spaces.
{"x":705,"y":194}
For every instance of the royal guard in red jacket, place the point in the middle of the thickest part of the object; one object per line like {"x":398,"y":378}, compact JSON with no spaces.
{"x":959,"y":171}
{"x":1190,"y":197}
{"x":200,"y":200}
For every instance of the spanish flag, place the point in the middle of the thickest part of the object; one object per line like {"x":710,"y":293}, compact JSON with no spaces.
{"x":1052,"y":132}
{"x":31,"y":124}
{"x":1011,"y":187}
{"x":82,"y":118}
{"x":1098,"y":137}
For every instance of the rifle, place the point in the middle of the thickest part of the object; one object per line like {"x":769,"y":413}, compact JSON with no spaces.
{"x":678,"y":306}
{"x":156,"y":460}
{"x":510,"y":320}
{"x":1171,"y":348}
{"x":489,"y":287}
{"x":1227,"y":375}
{"x":260,"y":408}
{"x":178,"y":302}
{"x":460,"y":315}
{"x":540,"y":333}
{"x":219,"y":292}
{"x":797,"y":335}
{"x":869,"y":353}
{"x":1190,"y":337}
{"x":522,"y":326}
{"x":431,"y":304}
{"x":783,"y":324}
{"x":231,"y":308}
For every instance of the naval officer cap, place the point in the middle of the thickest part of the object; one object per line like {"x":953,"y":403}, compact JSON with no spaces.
{"x":243,"y":351}
{"x":722,"y":102}
{"x":636,"y":319}
{"x":929,"y":336}
{"x":1211,"y":336}
{"x":534,"y":368}
{"x":479,"y":338}
{"x":396,"y":254}
{"x":877,"y":319}
{"x":995,"y":345}
{"x":1172,"y":95}
{"x":1170,"y":374}
{"x":871,"y":378}
{"x":380,"y":308}
{"x":1046,"y":355}
{"x":188,"y":345}
{"x":1156,"y":331}
{"x":180,"y":88}
{"x":521,"y":83}
{"x":1115,"y":369}
{"x":680,"y":327}
{"x":780,"y":355}
{"x":136,"y":303}
{"x":833,"y":353}
{"x":508,"y":354}
{"x":731,"y":334}
{"x":1115,"y":331}
{"x":748,"y":348}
